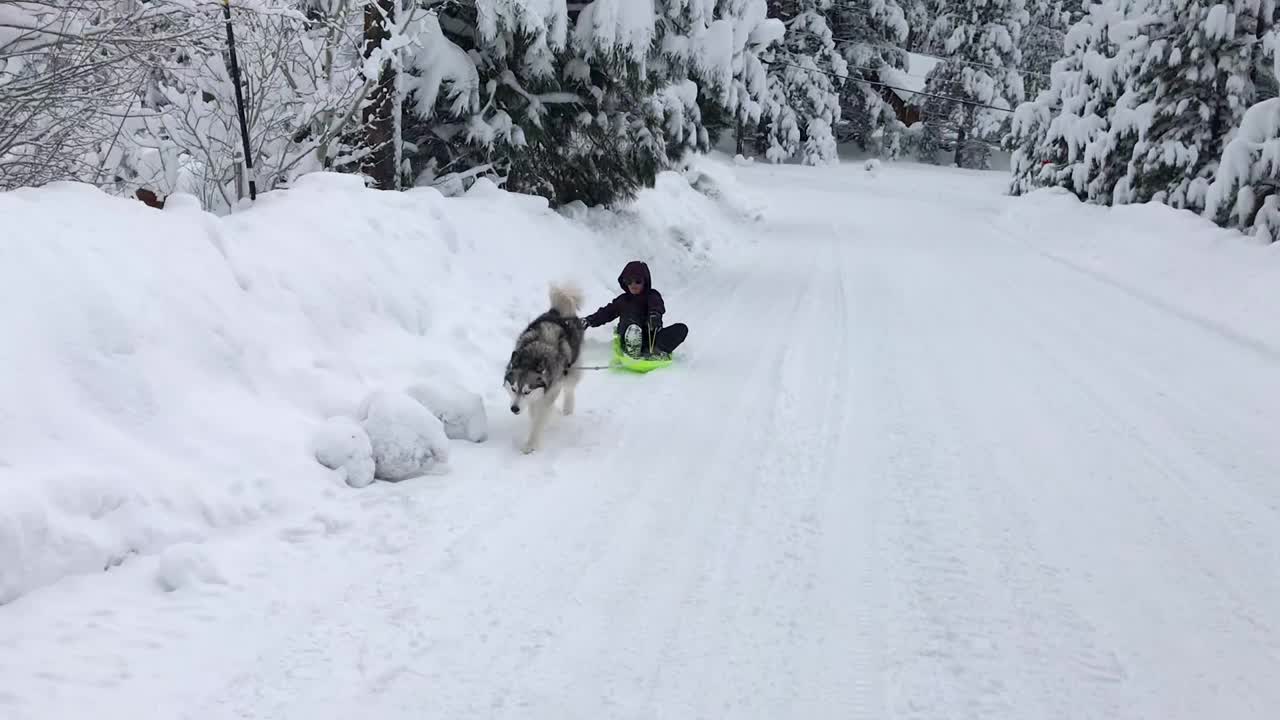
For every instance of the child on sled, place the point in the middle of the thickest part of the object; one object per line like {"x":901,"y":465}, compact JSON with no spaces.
{"x":639,"y":310}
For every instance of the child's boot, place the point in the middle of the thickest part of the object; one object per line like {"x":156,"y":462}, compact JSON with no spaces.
{"x":632,"y":340}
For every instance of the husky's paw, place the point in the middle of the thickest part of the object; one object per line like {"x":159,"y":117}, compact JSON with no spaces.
{"x":567,"y":409}
{"x":528,"y":448}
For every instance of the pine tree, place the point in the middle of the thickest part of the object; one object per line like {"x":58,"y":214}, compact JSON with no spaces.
{"x":585,"y":104}
{"x":739,"y":105}
{"x":1043,"y":41}
{"x":870,"y":38}
{"x":980,"y":67}
{"x":1062,"y":137}
{"x":1245,"y":193}
{"x":919,"y":19}
{"x":806,"y":70}
{"x":381,"y":112}
{"x":1189,"y":95}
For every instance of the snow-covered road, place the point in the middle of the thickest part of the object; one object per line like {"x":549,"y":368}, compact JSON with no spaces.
{"x":910,"y":468}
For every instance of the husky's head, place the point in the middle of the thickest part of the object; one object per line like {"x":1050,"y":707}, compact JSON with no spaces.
{"x":524,"y":384}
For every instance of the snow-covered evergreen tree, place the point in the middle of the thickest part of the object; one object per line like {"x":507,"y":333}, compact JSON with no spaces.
{"x":870,"y":38}
{"x":979,"y":68}
{"x":919,"y":17}
{"x":1061,"y":138}
{"x":484,"y":76}
{"x":806,"y":71}
{"x":1246,"y":190}
{"x":1044,"y":39}
{"x":586,"y":103}
{"x":1190,"y":93}
{"x":741,"y":104}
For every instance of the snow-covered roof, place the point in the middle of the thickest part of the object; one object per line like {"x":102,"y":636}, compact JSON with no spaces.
{"x":906,"y":83}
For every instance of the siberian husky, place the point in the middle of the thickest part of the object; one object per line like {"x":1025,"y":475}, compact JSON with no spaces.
{"x":544,"y":362}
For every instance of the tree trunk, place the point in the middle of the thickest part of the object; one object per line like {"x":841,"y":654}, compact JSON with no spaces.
{"x":379,"y":114}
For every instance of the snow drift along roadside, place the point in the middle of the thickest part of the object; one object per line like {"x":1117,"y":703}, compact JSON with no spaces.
{"x":166,"y":373}
{"x":1216,"y":277}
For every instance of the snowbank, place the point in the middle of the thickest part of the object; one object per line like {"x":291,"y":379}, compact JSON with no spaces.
{"x":1214,"y":276}
{"x":696,"y":225}
{"x":168,"y":374}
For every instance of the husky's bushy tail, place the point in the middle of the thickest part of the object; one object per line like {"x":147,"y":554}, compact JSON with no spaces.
{"x":566,"y":298}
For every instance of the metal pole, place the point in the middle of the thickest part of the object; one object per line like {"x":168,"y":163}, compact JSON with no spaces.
{"x":235,"y":80}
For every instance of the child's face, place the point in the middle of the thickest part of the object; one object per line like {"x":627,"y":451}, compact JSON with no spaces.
{"x":635,"y":287}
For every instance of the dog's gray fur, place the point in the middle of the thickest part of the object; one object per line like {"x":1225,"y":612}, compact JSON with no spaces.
{"x":545,"y":362}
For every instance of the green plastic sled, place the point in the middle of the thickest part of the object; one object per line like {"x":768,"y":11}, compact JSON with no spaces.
{"x":640,"y":365}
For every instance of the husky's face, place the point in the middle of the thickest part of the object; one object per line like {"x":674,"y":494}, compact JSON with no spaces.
{"x":524,"y":385}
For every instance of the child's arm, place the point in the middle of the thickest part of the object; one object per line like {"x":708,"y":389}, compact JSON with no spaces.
{"x":657,"y":308}
{"x":608,"y":313}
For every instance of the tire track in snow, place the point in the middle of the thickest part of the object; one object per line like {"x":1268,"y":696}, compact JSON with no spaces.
{"x":789,"y":621}
{"x":977,"y":614}
{"x":852,"y":502}
{"x":702,"y":485}
{"x":652,"y":533}
{"x":1185,"y":488}
{"x":1058,"y":653}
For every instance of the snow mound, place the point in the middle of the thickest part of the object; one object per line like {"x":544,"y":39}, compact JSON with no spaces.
{"x":717,"y":181}
{"x":407,"y":440}
{"x":166,"y":370}
{"x":186,"y":565}
{"x":462,"y":412}
{"x":341,"y":444}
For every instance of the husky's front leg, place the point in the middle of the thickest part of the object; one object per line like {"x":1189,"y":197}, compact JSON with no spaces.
{"x":570,"y":385}
{"x":538,"y":420}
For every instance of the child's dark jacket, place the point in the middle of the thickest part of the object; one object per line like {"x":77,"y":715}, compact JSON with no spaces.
{"x":638,"y":308}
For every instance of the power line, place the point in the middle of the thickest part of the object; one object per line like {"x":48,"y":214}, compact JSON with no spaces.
{"x":876,"y":83}
{"x":882,"y":46}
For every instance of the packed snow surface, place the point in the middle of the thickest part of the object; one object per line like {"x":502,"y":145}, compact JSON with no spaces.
{"x":930,"y":452}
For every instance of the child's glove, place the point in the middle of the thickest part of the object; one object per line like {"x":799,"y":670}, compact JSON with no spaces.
{"x":584,"y":322}
{"x":655,"y":321}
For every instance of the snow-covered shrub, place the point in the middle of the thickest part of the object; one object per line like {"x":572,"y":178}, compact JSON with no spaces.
{"x":68,"y":73}
{"x":406,"y":439}
{"x":183,"y":135}
{"x":461,"y":411}
{"x":341,"y":444}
